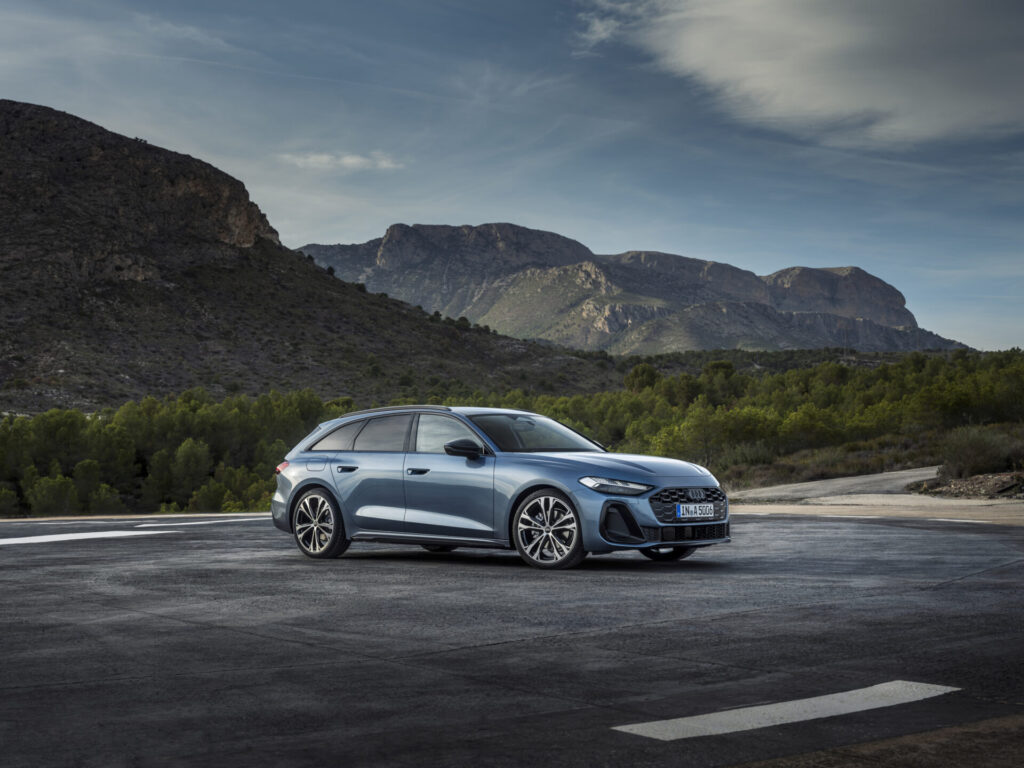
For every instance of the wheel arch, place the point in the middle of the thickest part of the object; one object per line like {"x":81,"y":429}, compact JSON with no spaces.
{"x":539,"y":485}
{"x":301,"y":490}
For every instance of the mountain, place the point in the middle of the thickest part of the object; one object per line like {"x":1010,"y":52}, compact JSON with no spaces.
{"x":541,"y":285}
{"x":128,"y":270}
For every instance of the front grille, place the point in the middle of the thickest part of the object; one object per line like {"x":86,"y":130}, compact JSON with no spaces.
{"x":695,"y":532}
{"x":663,"y":503}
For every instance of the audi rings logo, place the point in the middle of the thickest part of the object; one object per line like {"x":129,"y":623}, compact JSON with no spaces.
{"x":695,"y":494}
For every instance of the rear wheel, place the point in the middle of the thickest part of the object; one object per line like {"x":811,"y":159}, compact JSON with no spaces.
{"x":546,"y":530}
{"x":437,"y":547}
{"x":665,"y":554}
{"x":319,"y":530}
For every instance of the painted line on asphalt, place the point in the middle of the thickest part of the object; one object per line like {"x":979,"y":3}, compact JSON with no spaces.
{"x":957,"y":520}
{"x":751,"y":718}
{"x":205,"y":522}
{"x":84,"y":522}
{"x":78,"y":536}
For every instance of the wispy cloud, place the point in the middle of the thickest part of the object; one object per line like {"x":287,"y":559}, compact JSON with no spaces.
{"x":873,"y":72}
{"x":347,"y":162}
{"x":29,"y":36}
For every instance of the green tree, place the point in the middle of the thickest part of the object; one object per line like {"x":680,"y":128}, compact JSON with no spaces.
{"x":191,"y":467}
{"x":87,"y":478}
{"x":640,"y":377}
{"x":156,"y":489}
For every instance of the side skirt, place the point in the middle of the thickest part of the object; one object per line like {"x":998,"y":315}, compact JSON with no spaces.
{"x":389,"y":537}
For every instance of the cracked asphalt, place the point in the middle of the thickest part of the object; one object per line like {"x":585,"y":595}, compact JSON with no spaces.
{"x":220,"y":644}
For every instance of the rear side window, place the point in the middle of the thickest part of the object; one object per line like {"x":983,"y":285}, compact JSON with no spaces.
{"x":340,"y":439}
{"x":386,"y":433}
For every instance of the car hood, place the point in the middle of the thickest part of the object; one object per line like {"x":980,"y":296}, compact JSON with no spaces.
{"x":618,"y":466}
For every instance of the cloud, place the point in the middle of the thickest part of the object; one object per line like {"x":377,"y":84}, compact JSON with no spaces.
{"x":29,"y":37}
{"x":342,"y":161}
{"x":865,"y":73}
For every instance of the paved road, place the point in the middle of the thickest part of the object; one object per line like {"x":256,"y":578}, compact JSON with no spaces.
{"x":219,"y":644}
{"x":883,"y":482}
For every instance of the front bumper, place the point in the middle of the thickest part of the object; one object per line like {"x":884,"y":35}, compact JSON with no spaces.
{"x":612,"y":523}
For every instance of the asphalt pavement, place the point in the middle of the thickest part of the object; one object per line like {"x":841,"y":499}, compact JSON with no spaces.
{"x":213,"y":641}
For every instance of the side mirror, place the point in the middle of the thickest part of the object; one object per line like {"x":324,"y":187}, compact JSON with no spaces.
{"x":463,"y":447}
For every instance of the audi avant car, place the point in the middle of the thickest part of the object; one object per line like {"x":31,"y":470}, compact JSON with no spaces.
{"x":443,"y":478}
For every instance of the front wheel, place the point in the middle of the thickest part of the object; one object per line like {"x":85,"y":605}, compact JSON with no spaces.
{"x":546,"y":530}
{"x":666,"y":554}
{"x":319,"y":530}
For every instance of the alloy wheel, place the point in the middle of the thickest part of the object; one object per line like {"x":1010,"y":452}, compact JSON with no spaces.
{"x":318,"y":530}
{"x":547,"y":532}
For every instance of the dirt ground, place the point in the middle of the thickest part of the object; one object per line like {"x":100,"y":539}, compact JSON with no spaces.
{"x":1002,"y":485}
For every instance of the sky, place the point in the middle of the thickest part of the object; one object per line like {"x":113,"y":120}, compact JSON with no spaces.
{"x":879,"y":134}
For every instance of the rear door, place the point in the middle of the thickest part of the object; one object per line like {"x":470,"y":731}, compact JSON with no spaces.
{"x":447,"y":495}
{"x":369,"y":477}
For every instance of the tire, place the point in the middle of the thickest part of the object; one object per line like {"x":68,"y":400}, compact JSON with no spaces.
{"x":546,"y":531}
{"x":438,"y":547}
{"x":667,"y":554}
{"x":317,"y":525}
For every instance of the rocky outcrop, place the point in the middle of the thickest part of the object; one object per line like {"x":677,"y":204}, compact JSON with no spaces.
{"x":65,"y":179}
{"x":536,"y":284}
{"x":844,"y":291}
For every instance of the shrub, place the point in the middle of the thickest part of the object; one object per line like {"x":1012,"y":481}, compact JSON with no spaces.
{"x":106,"y":501}
{"x":209,"y":498}
{"x":9,"y":506}
{"x":969,"y":451}
{"x":53,"y":496}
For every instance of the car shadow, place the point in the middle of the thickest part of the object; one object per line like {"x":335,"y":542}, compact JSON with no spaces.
{"x":503,"y":559}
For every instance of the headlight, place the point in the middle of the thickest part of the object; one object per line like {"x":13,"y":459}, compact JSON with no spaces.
{"x":605,"y":485}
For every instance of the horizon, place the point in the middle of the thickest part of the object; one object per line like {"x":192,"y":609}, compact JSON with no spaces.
{"x":729,"y":136}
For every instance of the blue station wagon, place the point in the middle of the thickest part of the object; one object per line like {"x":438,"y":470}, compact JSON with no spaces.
{"x":444,"y":477}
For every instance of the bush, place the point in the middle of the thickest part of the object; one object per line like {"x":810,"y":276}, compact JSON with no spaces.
{"x":969,"y":451}
{"x":9,"y":506}
{"x":53,"y":496}
{"x":106,"y":501}
{"x":209,"y":498}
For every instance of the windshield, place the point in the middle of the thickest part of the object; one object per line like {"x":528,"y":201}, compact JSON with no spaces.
{"x":526,"y":433}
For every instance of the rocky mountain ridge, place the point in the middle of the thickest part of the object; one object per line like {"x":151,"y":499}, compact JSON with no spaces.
{"x":129,"y":270}
{"x":534,"y":284}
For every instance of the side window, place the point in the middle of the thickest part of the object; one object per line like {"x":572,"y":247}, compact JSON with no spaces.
{"x":340,"y":439}
{"x":386,"y":433}
{"x":434,"y":431}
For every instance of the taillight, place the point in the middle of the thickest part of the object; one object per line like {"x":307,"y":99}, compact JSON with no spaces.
{"x":281,"y":468}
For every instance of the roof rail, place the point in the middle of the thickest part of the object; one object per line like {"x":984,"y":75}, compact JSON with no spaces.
{"x":399,"y":408}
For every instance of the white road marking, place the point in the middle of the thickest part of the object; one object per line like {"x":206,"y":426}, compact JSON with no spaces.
{"x":78,"y":536}
{"x":83,"y":522}
{"x":204,"y":522}
{"x":961,"y":520}
{"x":750,"y":718}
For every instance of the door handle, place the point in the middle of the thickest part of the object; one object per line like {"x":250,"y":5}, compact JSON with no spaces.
{"x":347,"y":468}
{"x":416,"y":471}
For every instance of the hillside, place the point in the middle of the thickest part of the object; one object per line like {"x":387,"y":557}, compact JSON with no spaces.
{"x":128,"y":270}
{"x":534,"y":284}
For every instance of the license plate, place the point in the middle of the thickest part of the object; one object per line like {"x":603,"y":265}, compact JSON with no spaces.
{"x":687,"y":511}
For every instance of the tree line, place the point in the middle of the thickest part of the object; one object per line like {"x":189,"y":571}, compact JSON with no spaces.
{"x":192,"y":453}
